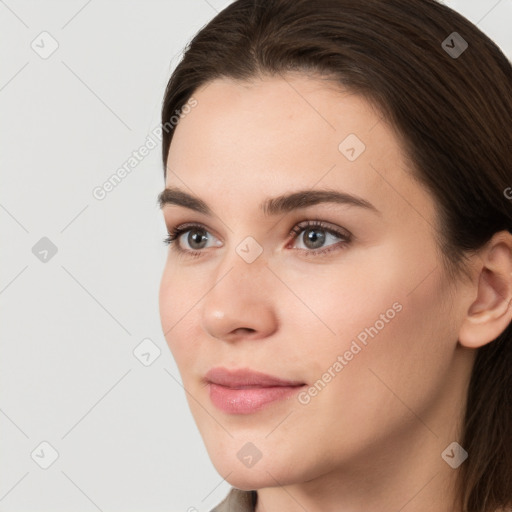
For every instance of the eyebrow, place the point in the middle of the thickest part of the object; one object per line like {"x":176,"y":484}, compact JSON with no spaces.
{"x":271,"y":206}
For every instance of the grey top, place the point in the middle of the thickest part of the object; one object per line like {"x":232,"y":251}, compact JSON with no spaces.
{"x":237,"y":501}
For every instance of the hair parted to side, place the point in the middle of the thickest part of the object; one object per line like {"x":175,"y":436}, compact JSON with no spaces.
{"x":453,"y":117}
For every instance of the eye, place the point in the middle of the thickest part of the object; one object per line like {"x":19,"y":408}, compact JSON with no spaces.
{"x":316,"y":233}
{"x":197,"y":238}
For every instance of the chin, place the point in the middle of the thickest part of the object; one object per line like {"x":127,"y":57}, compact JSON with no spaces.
{"x":271,"y":472}
{"x":250,"y":482}
{"x":253,"y":479}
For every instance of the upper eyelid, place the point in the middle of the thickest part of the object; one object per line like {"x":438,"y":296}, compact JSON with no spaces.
{"x":327,"y":226}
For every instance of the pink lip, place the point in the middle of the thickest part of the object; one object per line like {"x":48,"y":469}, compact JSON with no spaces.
{"x":246,"y":391}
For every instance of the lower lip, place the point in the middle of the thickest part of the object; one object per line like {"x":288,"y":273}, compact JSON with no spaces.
{"x":248,"y":400}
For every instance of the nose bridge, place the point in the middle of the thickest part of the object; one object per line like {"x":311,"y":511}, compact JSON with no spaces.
{"x":244,"y":258}
{"x":238,"y":297}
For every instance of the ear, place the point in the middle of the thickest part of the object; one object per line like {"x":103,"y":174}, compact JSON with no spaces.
{"x":491,"y":312}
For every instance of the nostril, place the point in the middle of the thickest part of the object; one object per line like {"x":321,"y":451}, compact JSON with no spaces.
{"x":246,"y":329}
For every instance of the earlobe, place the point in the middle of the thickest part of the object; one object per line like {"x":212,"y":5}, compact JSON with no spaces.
{"x":491,"y":312}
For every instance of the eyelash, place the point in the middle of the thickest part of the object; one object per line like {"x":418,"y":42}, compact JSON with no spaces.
{"x":176,"y":232}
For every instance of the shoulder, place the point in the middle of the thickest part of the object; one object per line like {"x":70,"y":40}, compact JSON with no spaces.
{"x":237,"y":501}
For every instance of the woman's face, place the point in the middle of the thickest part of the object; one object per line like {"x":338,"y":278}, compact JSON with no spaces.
{"x":355,"y":315}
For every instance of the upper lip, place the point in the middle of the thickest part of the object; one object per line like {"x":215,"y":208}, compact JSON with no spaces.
{"x":246,"y":377}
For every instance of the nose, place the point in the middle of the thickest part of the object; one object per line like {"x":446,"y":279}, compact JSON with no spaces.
{"x":239,"y":304}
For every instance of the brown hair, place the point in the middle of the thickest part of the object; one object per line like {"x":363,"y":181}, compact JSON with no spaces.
{"x":452,"y":112}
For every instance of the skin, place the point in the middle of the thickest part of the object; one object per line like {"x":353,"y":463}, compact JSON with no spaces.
{"x":372,"y":438}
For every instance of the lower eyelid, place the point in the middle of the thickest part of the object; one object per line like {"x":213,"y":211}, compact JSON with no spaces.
{"x":323,"y":251}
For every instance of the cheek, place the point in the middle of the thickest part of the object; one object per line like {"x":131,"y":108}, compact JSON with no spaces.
{"x":387,"y":316}
{"x":402,"y":363}
{"x":176,"y":302}
{"x":389,"y":288}
{"x":341,"y":300}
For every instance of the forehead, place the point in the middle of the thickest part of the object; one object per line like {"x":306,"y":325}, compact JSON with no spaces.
{"x":275,"y":134}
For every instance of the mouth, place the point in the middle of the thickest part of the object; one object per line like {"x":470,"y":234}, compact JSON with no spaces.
{"x":246,"y":391}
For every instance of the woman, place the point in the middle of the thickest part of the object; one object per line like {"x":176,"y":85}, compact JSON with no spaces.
{"x":337,"y":288}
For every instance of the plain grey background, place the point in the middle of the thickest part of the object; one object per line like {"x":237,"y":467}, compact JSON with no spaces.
{"x":79,"y":275}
